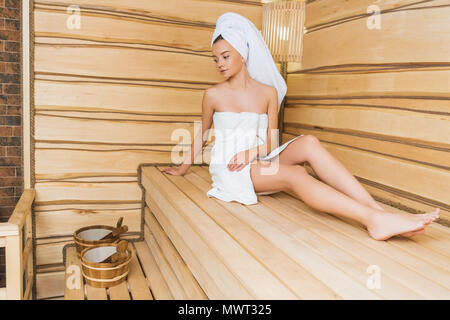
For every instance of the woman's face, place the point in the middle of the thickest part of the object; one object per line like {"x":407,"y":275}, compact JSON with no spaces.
{"x":228,"y":60}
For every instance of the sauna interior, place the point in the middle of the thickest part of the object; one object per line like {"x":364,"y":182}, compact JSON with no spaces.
{"x":111,"y":85}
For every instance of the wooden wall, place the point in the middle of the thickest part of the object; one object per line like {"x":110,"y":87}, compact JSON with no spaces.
{"x":107,"y":97}
{"x":379,"y":99}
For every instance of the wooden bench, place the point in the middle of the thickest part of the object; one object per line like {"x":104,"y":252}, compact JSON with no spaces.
{"x":280,"y":248}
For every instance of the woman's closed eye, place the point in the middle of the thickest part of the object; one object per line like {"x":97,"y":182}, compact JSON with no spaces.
{"x":224,"y":57}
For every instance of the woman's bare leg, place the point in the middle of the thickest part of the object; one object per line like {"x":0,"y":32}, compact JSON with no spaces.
{"x":381,"y":225}
{"x":318,"y":195}
{"x":332,"y":171}
{"x":328,"y":168}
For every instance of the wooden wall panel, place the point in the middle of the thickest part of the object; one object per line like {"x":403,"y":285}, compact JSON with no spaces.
{"x":115,"y":98}
{"x":107,"y":97}
{"x":379,"y":99}
{"x":353,"y":43}
{"x":322,"y":13}
{"x":432,"y":129}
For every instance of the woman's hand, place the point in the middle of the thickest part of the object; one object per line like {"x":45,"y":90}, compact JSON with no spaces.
{"x":175,"y":171}
{"x":241,"y":159}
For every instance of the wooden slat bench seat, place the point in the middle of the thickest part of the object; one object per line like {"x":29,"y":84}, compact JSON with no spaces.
{"x":278,"y":248}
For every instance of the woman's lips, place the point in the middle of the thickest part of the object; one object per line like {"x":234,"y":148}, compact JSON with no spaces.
{"x":223,"y":71}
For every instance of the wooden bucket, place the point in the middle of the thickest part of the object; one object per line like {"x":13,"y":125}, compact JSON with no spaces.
{"x":100,"y":274}
{"x":88,"y":237}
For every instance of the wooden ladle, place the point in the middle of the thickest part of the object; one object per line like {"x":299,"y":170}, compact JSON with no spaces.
{"x":117,"y":231}
{"x":120,"y":254}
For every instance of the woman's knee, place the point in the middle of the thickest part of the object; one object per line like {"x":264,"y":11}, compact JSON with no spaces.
{"x":295,"y":173}
{"x":310,"y":139}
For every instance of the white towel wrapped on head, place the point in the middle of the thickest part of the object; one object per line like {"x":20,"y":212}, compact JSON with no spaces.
{"x":243,"y":35}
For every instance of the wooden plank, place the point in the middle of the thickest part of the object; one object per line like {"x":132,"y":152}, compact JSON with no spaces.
{"x":108,"y":63}
{"x":51,"y":252}
{"x":109,"y":131}
{"x":431,"y":128}
{"x":425,"y":84}
{"x":50,"y":284}
{"x":115,"y":98}
{"x":86,"y":207}
{"x":95,"y":293}
{"x":22,"y":208}
{"x":290,"y":273}
{"x":303,"y":254}
{"x":80,"y":161}
{"x":27,"y":254}
{"x":413,"y":32}
{"x":27,"y":293}
{"x":99,"y":26}
{"x":196,"y":265}
{"x":186,"y":279}
{"x":330,"y":11}
{"x":136,"y":280}
{"x":51,"y":224}
{"x":64,"y":191}
{"x":119,"y":292}
{"x":8,"y":229}
{"x":115,"y":116}
{"x":158,"y":285}
{"x":199,"y":10}
{"x":171,"y":279}
{"x":429,"y":105}
{"x":72,"y":290}
{"x":441,"y":260}
{"x":234,"y":256}
{"x":14,"y":267}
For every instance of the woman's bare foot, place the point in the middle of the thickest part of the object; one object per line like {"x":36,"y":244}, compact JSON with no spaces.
{"x":418,"y":217}
{"x":384,"y":225}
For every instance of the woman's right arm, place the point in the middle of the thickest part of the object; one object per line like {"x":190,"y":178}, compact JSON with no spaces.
{"x":199,"y":142}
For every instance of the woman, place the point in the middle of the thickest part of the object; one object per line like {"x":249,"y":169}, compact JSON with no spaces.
{"x":242,"y":100}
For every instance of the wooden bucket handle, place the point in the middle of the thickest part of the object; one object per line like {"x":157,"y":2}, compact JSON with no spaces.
{"x":119,"y":223}
{"x":120,"y":254}
{"x":117,"y":230}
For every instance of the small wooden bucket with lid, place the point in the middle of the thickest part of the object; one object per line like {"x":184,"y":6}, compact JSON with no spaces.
{"x":88,"y":237}
{"x":106,"y":265}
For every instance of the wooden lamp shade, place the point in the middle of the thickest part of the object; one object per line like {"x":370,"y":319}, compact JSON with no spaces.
{"x":283,"y":27}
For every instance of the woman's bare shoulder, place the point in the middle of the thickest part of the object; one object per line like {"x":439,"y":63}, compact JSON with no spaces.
{"x":266,"y":89}
{"x":216,"y":90}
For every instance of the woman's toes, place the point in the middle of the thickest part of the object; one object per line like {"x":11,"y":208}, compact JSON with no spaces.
{"x":413,"y":233}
